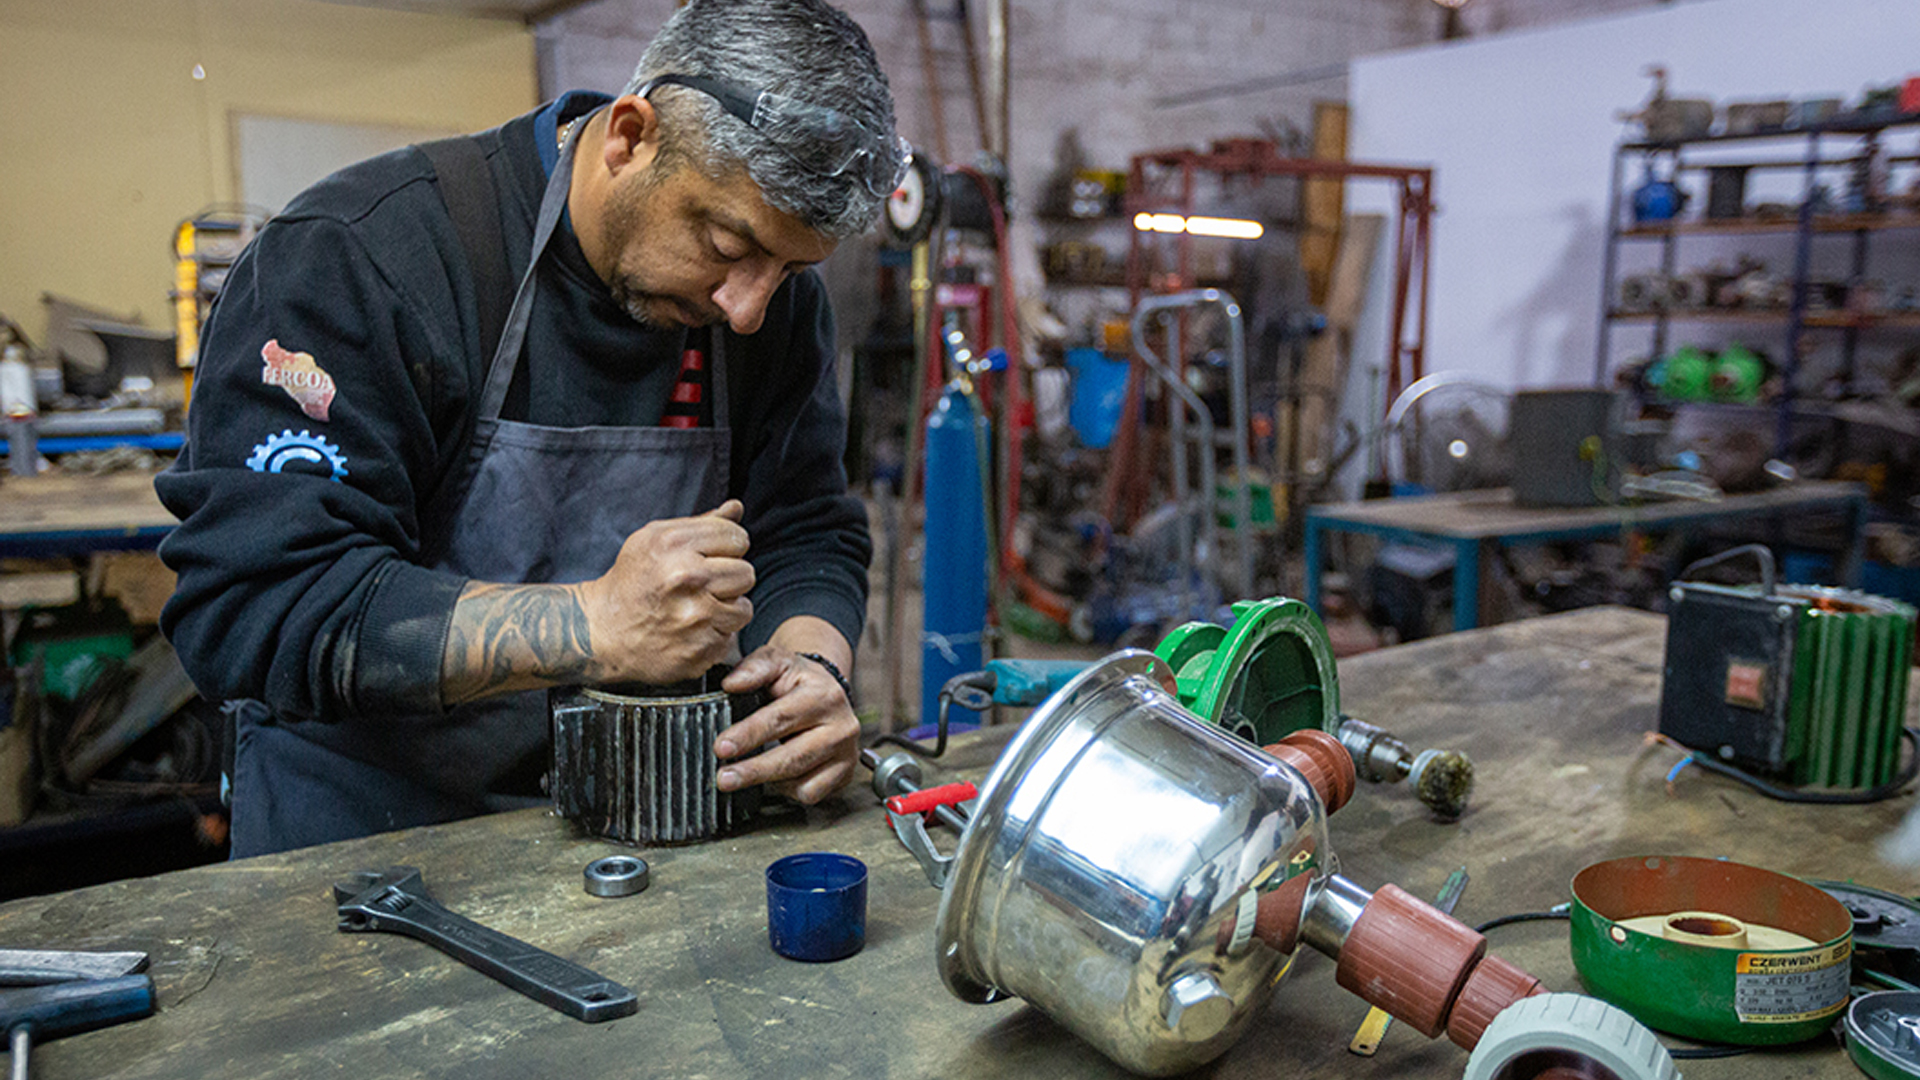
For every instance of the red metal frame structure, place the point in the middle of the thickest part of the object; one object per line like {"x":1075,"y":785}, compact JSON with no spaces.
{"x":1259,"y":158}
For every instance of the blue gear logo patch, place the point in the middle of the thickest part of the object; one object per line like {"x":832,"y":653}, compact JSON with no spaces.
{"x":306,"y":448}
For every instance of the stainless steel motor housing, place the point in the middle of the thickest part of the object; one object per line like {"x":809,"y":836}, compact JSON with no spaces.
{"x":1112,"y":869}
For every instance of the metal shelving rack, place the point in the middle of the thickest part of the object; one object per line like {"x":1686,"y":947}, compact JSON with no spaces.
{"x":1168,"y":181}
{"x":1862,"y":137}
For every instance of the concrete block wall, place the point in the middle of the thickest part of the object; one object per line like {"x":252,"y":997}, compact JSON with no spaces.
{"x":1101,"y":66}
{"x":1104,"y":69}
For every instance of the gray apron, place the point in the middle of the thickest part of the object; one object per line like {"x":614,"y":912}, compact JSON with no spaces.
{"x":529,"y":504}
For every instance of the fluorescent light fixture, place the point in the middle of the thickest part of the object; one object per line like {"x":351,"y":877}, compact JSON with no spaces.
{"x":1166,"y":223}
{"x":1231,"y":228}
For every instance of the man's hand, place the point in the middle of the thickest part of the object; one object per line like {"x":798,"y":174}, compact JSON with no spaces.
{"x":669,"y":607}
{"x":666,"y":611}
{"x":810,"y":714}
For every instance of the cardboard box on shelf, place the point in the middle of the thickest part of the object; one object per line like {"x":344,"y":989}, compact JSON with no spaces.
{"x":139,"y":580}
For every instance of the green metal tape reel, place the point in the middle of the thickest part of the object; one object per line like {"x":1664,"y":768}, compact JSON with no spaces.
{"x":1269,"y":674}
{"x":1703,"y":984}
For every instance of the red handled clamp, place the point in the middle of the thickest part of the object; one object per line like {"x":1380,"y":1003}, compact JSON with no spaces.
{"x":928,"y":800}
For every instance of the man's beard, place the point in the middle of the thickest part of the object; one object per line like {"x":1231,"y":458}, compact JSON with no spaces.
{"x":659,"y":311}
{"x":655,"y":310}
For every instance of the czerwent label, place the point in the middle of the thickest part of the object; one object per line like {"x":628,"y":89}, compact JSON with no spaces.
{"x":1785,"y":988}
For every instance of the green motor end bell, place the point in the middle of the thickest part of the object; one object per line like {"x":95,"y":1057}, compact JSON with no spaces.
{"x":1272,"y":673}
{"x":1268,"y":675}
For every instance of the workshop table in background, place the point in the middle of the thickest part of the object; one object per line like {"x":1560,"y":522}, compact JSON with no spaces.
{"x":61,"y":515}
{"x":1474,"y":523}
{"x":56,"y":514}
{"x":255,"y":982}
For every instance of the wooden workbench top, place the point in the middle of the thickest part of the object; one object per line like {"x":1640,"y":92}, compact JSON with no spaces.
{"x":55,"y":502}
{"x":255,"y":982}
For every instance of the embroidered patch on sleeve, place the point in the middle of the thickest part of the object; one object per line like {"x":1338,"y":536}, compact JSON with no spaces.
{"x":300,"y":376}
{"x":302,"y":453}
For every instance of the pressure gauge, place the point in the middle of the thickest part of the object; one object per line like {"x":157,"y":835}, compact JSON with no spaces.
{"x":914,"y":206}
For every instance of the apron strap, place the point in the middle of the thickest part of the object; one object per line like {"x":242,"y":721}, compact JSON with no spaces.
{"x":466,"y":186}
{"x":506,"y":355}
{"x":717,"y":375}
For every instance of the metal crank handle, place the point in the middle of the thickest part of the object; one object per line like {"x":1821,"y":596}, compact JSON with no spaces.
{"x":561,"y":984}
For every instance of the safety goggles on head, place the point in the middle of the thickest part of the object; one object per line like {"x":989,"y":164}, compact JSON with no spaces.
{"x":823,"y":141}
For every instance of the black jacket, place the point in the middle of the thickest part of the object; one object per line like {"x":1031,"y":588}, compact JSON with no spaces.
{"x":310,"y":594}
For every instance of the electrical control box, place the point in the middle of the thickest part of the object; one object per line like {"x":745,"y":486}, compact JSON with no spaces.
{"x":1800,"y":683}
{"x":1726,"y":680}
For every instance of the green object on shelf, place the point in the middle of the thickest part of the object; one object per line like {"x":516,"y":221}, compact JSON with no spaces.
{"x":1687,"y":375}
{"x":1029,"y":623}
{"x":1737,"y":374}
{"x":1259,"y":504}
{"x":1268,"y":675}
{"x":75,"y":642}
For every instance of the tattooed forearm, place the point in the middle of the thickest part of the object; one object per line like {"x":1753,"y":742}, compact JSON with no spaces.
{"x":514,"y":637}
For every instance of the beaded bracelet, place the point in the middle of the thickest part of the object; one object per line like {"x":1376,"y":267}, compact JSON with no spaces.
{"x":833,"y":669}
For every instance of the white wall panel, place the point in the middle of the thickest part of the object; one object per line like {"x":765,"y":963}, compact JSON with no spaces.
{"x":1521,"y":129}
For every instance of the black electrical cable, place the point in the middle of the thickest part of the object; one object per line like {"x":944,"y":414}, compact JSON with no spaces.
{"x":1710,"y":1050}
{"x":1831,"y":798}
{"x":972,"y":689}
{"x":1564,"y":912}
{"x":1759,"y":551}
{"x":1560,"y":913}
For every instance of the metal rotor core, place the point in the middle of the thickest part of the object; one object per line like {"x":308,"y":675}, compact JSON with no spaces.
{"x":635,"y":764}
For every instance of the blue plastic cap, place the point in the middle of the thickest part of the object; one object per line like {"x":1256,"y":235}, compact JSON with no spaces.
{"x":817,"y":906}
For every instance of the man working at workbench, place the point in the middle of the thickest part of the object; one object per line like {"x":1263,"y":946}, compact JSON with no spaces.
{"x":395,"y":532}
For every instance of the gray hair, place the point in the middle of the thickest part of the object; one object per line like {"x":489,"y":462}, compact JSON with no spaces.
{"x":803,"y":49}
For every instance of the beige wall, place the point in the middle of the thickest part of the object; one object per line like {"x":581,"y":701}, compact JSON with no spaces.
{"x":107,"y":141}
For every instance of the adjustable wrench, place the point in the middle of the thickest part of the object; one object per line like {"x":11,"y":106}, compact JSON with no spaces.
{"x":396,"y":901}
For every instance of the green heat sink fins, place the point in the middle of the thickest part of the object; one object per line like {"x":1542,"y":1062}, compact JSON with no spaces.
{"x":1848,"y":696}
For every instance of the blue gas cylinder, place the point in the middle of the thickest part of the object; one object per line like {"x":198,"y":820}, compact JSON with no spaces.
{"x":954,"y":574}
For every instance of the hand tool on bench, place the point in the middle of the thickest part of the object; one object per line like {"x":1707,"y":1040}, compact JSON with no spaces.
{"x":67,"y":1007}
{"x":898,"y":775}
{"x":897,"y":780}
{"x":395,"y":901}
{"x":37,"y":967}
